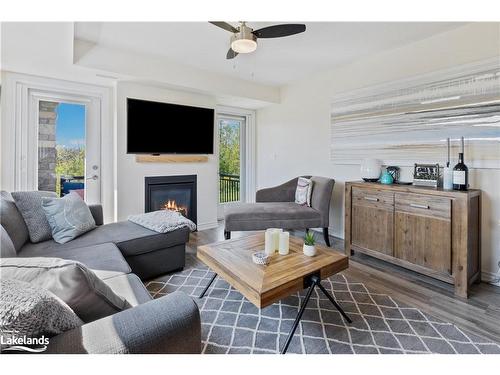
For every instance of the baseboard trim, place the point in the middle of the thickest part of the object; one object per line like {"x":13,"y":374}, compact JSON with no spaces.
{"x":209,"y":225}
{"x":491,"y":278}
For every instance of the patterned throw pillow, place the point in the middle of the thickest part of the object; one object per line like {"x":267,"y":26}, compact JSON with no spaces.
{"x":31,"y":311}
{"x":29,"y":204}
{"x":68,"y":217}
{"x":303,"y":192}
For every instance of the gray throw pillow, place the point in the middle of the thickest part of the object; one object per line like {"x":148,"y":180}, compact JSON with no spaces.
{"x":88,"y":296}
{"x":29,"y":204}
{"x":68,"y":217}
{"x":7,"y":249}
{"x":31,"y":311}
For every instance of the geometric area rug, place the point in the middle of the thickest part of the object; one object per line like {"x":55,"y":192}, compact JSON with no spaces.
{"x":231,"y":324}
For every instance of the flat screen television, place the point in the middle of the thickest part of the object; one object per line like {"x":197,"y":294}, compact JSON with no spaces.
{"x":164,"y":128}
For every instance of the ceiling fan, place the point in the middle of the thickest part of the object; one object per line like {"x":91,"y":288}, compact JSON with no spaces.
{"x":244,"y":38}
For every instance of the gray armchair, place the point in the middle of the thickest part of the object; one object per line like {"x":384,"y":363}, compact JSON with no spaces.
{"x":276,"y":208}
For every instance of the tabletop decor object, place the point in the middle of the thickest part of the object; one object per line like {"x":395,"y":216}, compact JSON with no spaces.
{"x":309,"y":249}
{"x":394,"y":172}
{"x":284,"y":245}
{"x":426,"y":175}
{"x":386,"y":178}
{"x":448,"y":171}
{"x":261,"y":258}
{"x":371,"y":169}
{"x":272,"y":238}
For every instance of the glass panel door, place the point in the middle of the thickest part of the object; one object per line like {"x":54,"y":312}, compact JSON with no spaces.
{"x":68,"y":147}
{"x":231,"y":158}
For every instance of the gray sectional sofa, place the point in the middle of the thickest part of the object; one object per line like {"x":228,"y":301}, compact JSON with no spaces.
{"x":120,"y":254}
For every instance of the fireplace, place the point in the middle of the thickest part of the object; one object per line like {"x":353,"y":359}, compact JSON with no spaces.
{"x":177,"y":193}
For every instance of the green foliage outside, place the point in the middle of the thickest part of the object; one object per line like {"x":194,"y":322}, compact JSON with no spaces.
{"x":229,"y":160}
{"x":70,"y":162}
{"x":229,"y":147}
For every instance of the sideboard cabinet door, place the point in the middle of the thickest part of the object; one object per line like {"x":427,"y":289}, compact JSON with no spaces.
{"x":373,"y":220}
{"x":423,"y":231}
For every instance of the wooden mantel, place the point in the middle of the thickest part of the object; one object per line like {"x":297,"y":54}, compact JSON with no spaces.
{"x":171,"y":158}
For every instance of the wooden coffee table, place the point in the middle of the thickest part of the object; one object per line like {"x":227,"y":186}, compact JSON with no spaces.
{"x":282,"y":277}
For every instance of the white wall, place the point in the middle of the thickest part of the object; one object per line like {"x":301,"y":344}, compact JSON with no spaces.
{"x":130,"y":174}
{"x":293,"y":137}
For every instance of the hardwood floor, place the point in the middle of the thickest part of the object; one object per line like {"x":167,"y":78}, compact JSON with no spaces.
{"x":480,"y":314}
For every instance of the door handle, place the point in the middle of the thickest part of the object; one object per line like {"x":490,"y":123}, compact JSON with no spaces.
{"x":414,"y":205}
{"x":93,"y":177}
{"x":373,"y":199}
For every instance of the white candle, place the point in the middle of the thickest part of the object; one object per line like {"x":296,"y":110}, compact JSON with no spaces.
{"x":275,"y":237}
{"x":269,"y":242}
{"x":284,"y":243}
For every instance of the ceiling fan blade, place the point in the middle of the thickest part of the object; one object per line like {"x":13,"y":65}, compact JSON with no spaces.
{"x":278,"y":31}
{"x":231,"y":54}
{"x":225,"y":26}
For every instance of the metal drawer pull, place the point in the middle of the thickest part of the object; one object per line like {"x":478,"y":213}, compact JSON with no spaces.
{"x":373,"y":199}
{"x":419,"y":206}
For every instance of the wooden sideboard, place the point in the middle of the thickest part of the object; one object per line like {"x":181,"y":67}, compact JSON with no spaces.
{"x":432,"y":231}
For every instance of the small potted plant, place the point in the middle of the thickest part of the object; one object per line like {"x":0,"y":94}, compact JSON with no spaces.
{"x":309,"y":249}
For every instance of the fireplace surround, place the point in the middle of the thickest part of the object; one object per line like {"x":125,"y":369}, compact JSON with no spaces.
{"x":177,"y":193}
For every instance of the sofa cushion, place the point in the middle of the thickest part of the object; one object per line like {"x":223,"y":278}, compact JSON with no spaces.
{"x":68,"y":217}
{"x":105,"y":259}
{"x":29,"y":204}
{"x":28,"y":310}
{"x":129,"y":287}
{"x":12,"y":220}
{"x":131,"y":239}
{"x":7,"y":249}
{"x":88,"y":296}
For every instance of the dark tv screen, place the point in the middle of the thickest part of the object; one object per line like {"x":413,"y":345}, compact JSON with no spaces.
{"x":163,"y":128}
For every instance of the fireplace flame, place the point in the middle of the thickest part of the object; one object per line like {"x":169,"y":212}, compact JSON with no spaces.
{"x":172,"y":205}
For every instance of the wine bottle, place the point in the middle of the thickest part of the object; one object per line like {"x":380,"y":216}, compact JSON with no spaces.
{"x":460,"y":174}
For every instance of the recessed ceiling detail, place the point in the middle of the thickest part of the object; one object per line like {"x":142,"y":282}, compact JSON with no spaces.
{"x":324,"y":46}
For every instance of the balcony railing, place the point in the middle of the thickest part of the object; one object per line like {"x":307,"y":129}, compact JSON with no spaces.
{"x":229,"y":188}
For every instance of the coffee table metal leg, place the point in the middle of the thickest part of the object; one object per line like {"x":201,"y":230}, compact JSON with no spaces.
{"x":297,"y":319}
{"x":337,"y":306}
{"x":315,"y":281}
{"x":208,"y":286}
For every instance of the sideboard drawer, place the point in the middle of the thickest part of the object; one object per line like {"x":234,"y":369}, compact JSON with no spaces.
{"x":420,"y":204}
{"x":372,"y":198}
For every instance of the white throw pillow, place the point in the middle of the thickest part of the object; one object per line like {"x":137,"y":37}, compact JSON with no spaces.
{"x":303,"y":192}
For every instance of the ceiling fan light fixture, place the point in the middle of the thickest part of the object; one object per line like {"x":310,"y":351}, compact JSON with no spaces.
{"x":243,"y":45}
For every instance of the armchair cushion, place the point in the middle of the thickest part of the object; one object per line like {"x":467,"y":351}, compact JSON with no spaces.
{"x":259,"y":216}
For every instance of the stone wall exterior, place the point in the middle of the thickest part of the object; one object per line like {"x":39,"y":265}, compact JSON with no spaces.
{"x":47,"y":146}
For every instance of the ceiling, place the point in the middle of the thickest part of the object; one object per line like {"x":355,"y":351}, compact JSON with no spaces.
{"x":276,"y":62}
